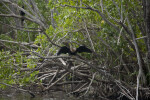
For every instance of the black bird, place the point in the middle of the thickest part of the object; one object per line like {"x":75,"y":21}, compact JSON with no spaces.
{"x":22,"y":14}
{"x":73,"y":51}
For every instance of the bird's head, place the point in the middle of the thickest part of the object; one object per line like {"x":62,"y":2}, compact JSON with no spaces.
{"x":72,"y":49}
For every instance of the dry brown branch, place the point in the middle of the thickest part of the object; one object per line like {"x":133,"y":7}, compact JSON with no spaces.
{"x":47,"y":88}
{"x":16,"y":16}
{"x":89,"y":37}
{"x":125,"y":91}
{"x":50,"y":40}
{"x":7,"y":47}
{"x":70,"y":82}
{"x":90,"y":83}
{"x":56,"y":73}
{"x":21,"y":43}
{"x":79,"y":89}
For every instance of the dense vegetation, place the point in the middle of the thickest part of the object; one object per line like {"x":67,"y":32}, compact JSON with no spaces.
{"x":117,"y":31}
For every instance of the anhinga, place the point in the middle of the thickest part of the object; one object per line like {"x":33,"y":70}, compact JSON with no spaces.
{"x":22,"y":14}
{"x":73,"y":51}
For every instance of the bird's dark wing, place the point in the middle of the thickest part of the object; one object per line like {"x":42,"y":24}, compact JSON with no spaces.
{"x":83,"y":49}
{"x":22,"y":13}
{"x":64,"y":50}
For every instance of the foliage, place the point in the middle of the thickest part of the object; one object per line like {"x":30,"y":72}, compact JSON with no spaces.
{"x":11,"y":68}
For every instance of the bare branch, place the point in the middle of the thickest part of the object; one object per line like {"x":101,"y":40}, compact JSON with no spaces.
{"x":89,"y":37}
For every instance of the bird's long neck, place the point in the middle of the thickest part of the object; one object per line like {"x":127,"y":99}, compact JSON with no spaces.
{"x":73,"y":50}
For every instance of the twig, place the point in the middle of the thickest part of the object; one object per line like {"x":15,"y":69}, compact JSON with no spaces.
{"x":7,"y":47}
{"x":111,"y":16}
{"x":62,"y":61}
{"x":101,"y":4}
{"x":23,"y":43}
{"x":124,"y":90}
{"x":118,"y":41}
{"x":90,"y":83}
{"x":47,"y":88}
{"x":70,"y":82}
{"x":143,"y":37}
{"x":17,"y":16}
{"x":117,"y":7}
{"x":78,"y":89}
{"x":54,"y":76}
{"x":50,"y":40}
{"x":89,"y":37}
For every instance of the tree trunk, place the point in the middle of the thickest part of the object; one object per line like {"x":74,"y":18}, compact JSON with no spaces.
{"x":148,"y":25}
{"x":147,"y":19}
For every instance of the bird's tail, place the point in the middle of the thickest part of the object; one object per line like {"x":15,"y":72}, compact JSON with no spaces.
{"x":22,"y":22}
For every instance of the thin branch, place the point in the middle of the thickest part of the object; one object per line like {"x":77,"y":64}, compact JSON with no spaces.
{"x":54,"y":76}
{"x":125,"y":91}
{"x":90,"y":83}
{"x":117,"y":7}
{"x":111,"y":16}
{"x":118,"y":41}
{"x":101,"y":4}
{"x":23,"y":43}
{"x":19,"y":28}
{"x":138,"y":58}
{"x":121,"y":14}
{"x":16,"y":16}
{"x":89,"y":37}
{"x":143,"y":37}
{"x":51,"y":40}
{"x":47,"y":88}
{"x":79,"y":89}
